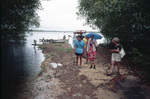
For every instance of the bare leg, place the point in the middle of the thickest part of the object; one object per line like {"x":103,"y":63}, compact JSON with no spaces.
{"x":80,"y":60}
{"x":77,"y":60}
{"x":91,"y":63}
{"x":118,"y":64}
{"x":112,"y":67}
{"x":84,"y":54}
{"x":86,"y":58}
{"x":94,"y":61}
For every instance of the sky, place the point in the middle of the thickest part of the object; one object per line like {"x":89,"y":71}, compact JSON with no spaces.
{"x":61,"y":15}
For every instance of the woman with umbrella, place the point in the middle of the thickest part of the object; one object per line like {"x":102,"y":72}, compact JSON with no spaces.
{"x":91,"y":49}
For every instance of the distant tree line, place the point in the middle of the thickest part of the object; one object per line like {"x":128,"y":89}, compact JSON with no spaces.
{"x":127,"y":19}
{"x":17,"y":16}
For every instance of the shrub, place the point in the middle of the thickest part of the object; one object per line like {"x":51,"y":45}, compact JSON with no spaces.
{"x":136,"y":56}
{"x":103,"y":45}
{"x":140,"y":59}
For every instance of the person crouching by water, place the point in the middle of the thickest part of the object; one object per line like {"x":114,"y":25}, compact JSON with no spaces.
{"x":64,"y":37}
{"x":78,"y":51}
{"x":115,"y":57}
{"x":91,"y":49}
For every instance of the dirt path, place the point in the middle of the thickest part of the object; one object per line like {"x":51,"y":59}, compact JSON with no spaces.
{"x":68,"y":82}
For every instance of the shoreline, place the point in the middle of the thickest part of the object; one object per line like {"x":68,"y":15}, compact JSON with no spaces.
{"x":69,"y":82}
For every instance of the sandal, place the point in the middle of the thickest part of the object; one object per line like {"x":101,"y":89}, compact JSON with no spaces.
{"x":109,"y":74}
{"x":94,"y":67}
{"x":79,"y":67}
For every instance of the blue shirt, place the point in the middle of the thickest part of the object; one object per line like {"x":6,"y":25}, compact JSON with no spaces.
{"x":79,"y":46}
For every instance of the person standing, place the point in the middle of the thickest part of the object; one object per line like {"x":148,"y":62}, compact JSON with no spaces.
{"x":86,"y":50}
{"x":85,"y":41}
{"x":91,"y":49}
{"x":115,"y":56}
{"x":78,"y":51}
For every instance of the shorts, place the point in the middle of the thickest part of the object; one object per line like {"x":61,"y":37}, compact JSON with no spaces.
{"x":116,"y":57}
{"x":79,"y":54}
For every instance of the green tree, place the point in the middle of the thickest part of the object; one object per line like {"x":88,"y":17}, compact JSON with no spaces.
{"x":17,"y":17}
{"x":127,"y":19}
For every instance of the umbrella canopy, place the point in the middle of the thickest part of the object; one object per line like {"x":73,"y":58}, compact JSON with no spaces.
{"x":96,"y":35}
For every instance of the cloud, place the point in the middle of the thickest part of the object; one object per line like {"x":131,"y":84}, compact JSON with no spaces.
{"x":60,"y":15}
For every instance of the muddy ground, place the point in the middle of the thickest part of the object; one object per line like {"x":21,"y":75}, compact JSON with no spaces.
{"x":69,"y":82}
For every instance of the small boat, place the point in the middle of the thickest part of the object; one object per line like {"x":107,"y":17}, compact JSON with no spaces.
{"x":54,"y":41}
{"x":61,"y":41}
{"x":75,"y":34}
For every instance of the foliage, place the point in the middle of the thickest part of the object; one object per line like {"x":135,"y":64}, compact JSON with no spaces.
{"x":139,"y":59}
{"x":127,"y":19}
{"x":104,"y":45}
{"x":17,"y":17}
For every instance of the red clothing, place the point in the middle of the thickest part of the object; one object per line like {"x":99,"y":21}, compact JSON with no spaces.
{"x":91,"y":54}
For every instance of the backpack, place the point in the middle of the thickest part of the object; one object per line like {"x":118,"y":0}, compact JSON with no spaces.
{"x":122,"y":52}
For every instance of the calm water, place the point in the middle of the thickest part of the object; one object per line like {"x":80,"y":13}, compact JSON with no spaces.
{"x":21,"y":62}
{"x":56,"y":35}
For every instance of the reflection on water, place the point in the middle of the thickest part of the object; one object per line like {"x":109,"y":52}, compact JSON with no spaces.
{"x":20,"y":63}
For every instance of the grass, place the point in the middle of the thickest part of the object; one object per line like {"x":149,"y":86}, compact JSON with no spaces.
{"x":64,"y":49}
{"x":43,"y":47}
{"x":57,"y":44}
{"x":48,"y":55}
{"x":51,"y":53}
{"x":58,"y":47}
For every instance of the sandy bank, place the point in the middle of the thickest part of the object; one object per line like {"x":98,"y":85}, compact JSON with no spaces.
{"x":68,"y":82}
